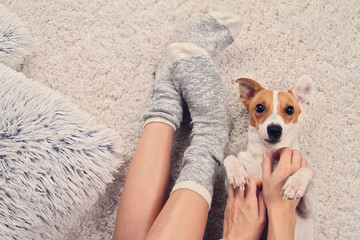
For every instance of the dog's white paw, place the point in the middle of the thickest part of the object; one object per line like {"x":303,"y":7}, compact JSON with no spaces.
{"x":296,"y":185}
{"x":236,"y":172}
{"x":294,"y":188}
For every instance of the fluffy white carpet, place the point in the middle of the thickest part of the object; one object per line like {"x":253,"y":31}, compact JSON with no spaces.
{"x":101,"y":54}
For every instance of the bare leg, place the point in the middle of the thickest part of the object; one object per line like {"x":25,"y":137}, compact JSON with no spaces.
{"x":184,"y":216}
{"x":146,"y":183}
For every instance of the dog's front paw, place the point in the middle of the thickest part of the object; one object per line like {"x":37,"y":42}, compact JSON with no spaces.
{"x":295,"y":186}
{"x":236,"y":172}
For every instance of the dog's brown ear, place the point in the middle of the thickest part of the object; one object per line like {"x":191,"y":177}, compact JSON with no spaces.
{"x":248,"y":88}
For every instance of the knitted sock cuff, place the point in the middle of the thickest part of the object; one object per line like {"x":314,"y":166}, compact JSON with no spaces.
{"x":161,"y":120}
{"x":195,"y":187}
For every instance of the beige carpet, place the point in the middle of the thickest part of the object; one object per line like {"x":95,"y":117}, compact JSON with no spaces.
{"x":101,"y":55}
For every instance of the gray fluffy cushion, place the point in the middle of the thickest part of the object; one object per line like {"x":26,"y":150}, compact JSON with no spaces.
{"x":14,"y":39}
{"x":55,"y":160}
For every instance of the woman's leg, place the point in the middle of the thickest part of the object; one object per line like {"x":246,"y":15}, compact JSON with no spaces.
{"x":146,"y":186}
{"x":184,"y":216}
{"x":195,"y":76}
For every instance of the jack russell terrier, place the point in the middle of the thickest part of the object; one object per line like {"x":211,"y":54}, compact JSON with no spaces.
{"x":274,"y":124}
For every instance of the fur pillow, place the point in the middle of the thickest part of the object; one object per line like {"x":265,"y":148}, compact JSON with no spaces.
{"x":55,"y":159}
{"x":15,"y":39}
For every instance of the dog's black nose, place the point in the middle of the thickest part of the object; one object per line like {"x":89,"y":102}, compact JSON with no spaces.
{"x":274,"y":131}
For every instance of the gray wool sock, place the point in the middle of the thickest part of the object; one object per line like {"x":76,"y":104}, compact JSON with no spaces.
{"x":166,"y":102}
{"x":194,"y":74}
{"x":203,"y":91}
{"x":211,"y":34}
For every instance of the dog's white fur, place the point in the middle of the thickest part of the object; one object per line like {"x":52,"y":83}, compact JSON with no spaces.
{"x":249,"y":163}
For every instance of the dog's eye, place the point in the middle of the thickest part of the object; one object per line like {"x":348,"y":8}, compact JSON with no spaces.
{"x":289,"y":110}
{"x":259,"y":108}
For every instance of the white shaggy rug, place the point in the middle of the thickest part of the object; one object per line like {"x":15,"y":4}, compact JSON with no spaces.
{"x":101,"y":54}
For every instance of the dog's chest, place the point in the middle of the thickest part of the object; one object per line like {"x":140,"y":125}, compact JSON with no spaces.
{"x":253,"y":164}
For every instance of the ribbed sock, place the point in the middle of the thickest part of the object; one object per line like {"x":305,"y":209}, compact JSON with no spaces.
{"x":194,"y":74}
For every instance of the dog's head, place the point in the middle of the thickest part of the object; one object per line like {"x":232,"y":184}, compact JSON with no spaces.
{"x":274,"y":114}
